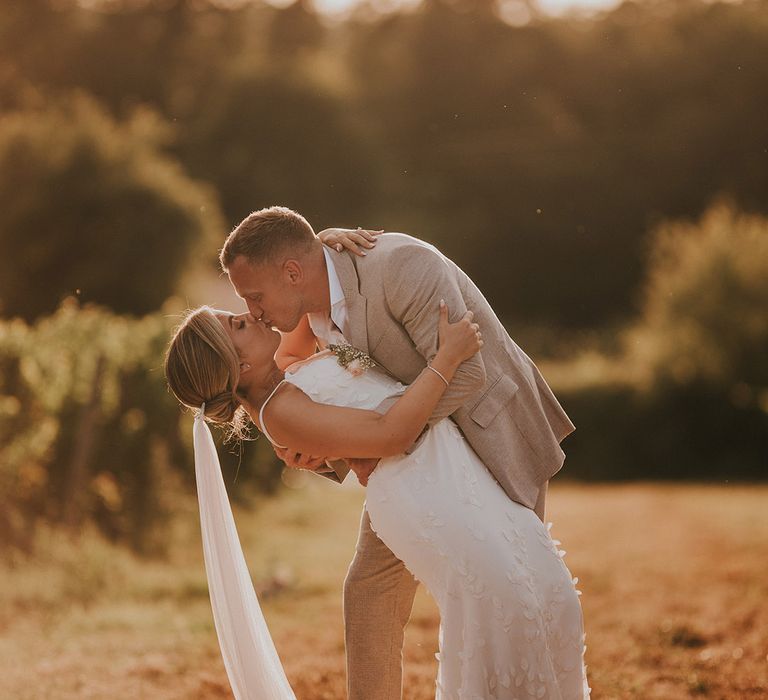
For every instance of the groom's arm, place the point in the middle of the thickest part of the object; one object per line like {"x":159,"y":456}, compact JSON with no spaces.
{"x":417,"y":278}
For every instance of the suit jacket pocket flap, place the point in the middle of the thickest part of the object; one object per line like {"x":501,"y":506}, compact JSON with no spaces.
{"x":493,"y":400}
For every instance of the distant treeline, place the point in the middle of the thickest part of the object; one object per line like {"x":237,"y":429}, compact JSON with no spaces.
{"x":592,"y":175}
{"x":537,"y":156}
{"x":686,"y":394}
{"x":89,"y":432}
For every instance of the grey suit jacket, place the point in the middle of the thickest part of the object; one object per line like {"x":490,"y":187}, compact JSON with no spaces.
{"x":498,"y":398}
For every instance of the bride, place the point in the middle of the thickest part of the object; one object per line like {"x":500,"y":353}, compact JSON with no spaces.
{"x":511,"y":623}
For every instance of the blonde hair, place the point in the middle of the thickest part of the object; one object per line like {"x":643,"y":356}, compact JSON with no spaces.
{"x":266,"y":234}
{"x":202,"y":366}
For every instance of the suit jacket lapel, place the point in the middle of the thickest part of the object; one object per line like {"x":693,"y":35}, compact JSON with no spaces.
{"x":356,"y":302}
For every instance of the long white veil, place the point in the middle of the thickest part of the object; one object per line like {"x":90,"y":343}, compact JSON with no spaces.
{"x":253,"y":667}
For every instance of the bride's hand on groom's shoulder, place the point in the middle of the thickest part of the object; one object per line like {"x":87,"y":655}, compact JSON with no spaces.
{"x":354,"y":240}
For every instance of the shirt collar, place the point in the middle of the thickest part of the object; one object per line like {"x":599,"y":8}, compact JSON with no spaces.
{"x":334,"y":285}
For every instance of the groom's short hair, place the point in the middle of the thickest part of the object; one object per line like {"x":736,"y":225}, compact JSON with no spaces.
{"x":264,"y":234}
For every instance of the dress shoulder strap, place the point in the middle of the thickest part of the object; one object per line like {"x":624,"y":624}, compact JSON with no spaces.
{"x":261,"y":415}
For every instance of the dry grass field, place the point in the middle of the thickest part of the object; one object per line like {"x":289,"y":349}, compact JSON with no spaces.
{"x":674,"y":580}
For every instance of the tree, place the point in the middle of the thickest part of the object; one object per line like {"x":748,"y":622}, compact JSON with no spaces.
{"x":688,"y":395}
{"x":276,"y":139}
{"x":705,"y":305}
{"x":91,"y":207}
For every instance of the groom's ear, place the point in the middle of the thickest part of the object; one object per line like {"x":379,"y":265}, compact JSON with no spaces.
{"x":293,"y":271}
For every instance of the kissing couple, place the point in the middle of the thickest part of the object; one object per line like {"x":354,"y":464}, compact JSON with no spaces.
{"x":388,"y":361}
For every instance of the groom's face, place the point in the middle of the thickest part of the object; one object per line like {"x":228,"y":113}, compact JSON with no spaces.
{"x":270,"y":291}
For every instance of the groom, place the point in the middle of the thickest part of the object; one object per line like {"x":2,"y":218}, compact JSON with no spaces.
{"x":386,"y":305}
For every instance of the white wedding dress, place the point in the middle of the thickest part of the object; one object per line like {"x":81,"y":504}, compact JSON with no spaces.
{"x":511,"y":623}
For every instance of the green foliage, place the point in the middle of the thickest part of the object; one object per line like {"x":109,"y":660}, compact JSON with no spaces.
{"x":689,"y":394}
{"x":537,"y":156}
{"x":90,"y":433}
{"x":275,"y":138}
{"x":705,"y":310}
{"x":544,"y":153}
{"x":91,"y":207}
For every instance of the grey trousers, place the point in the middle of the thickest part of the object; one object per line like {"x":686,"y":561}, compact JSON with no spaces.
{"x":378,"y":597}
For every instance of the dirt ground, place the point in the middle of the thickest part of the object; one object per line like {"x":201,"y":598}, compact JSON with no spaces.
{"x":674,"y":580}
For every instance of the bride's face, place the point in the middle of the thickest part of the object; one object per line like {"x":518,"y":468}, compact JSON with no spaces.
{"x":256,"y":344}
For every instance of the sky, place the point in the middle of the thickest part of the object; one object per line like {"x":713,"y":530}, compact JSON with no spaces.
{"x":516,"y":11}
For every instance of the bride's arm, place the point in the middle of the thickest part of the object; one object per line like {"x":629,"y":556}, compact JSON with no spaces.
{"x":313,"y":428}
{"x":297,"y":345}
{"x":354,"y":241}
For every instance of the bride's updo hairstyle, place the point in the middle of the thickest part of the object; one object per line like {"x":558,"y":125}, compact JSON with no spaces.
{"x":202,"y":366}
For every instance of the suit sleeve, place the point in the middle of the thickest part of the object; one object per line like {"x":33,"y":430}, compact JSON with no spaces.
{"x":416,"y":279}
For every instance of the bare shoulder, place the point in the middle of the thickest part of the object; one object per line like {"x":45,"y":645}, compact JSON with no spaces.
{"x":284,"y":411}
{"x":287,"y":399}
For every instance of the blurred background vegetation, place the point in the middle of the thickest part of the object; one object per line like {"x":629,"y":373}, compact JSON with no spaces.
{"x":603,"y":178}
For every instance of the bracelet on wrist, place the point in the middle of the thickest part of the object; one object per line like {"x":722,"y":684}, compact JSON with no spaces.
{"x":439,"y":374}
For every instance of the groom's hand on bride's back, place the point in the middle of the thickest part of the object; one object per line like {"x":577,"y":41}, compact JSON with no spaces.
{"x":298,"y":460}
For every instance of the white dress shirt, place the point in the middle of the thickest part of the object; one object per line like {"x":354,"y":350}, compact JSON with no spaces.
{"x":331,"y":329}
